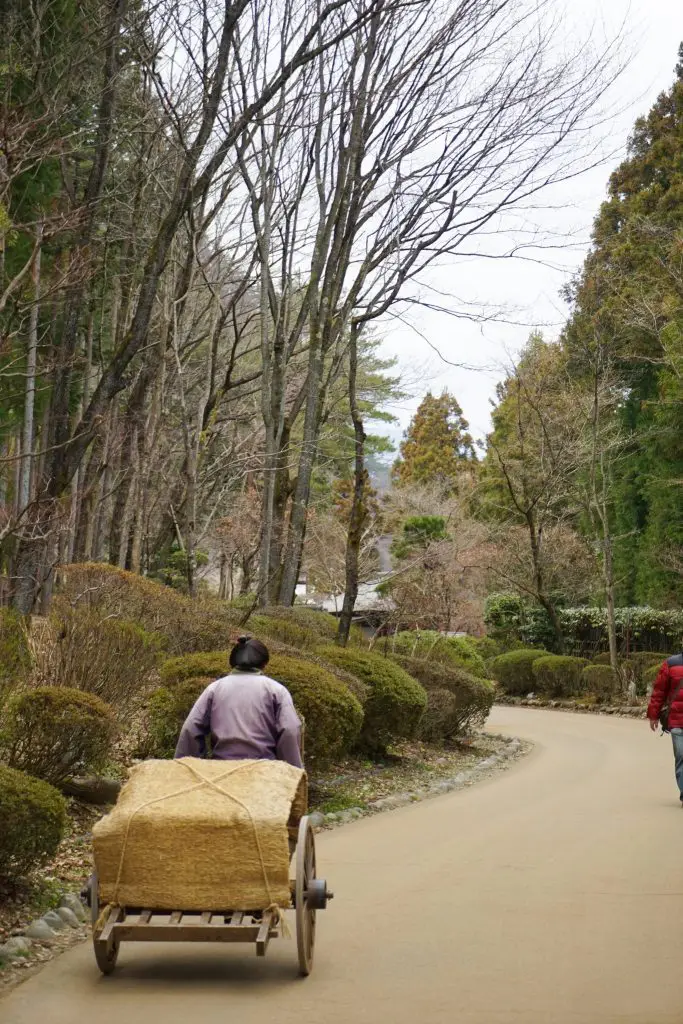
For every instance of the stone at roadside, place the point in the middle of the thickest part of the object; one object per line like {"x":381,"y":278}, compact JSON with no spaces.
{"x":40,"y":931}
{"x":54,"y":921}
{"x":17,"y":945}
{"x":68,"y":917}
{"x":73,"y":903}
{"x":316,"y":819}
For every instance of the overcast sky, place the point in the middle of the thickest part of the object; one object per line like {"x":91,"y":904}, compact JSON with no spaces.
{"x":526,"y":292}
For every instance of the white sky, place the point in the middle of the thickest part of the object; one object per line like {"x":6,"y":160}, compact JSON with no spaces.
{"x":528,"y":292}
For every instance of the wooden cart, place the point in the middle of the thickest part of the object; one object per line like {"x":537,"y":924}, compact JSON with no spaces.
{"x":140,"y":924}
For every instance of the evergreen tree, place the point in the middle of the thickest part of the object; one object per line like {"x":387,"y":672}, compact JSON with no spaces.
{"x":629,"y":300}
{"x":437,"y":447}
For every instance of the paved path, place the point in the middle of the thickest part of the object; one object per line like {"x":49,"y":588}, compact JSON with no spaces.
{"x":551,"y":894}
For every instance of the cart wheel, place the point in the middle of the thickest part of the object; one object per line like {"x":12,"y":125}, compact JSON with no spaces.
{"x":106,"y":953}
{"x":305,"y":913}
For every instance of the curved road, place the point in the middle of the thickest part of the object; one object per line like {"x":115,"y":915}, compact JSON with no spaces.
{"x":550,"y":894}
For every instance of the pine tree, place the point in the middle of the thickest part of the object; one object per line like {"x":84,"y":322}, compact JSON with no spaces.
{"x":437,"y":448}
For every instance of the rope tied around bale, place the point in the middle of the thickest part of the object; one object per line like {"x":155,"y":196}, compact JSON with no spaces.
{"x":214,"y":784}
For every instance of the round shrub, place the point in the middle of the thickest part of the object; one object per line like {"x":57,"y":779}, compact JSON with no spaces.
{"x":602,"y":659}
{"x":486,"y":647}
{"x":322,"y":625}
{"x":33,"y":816}
{"x":185,"y":625}
{"x":429,"y":645}
{"x":207,"y":664}
{"x":557,"y":675}
{"x":440,"y":720}
{"x":332,"y":714}
{"x":646,"y":659}
{"x":15,"y":656}
{"x":473,"y":697}
{"x":601,"y":681}
{"x":286,"y":630}
{"x":55,"y":732}
{"x":514,"y":670}
{"x":110,"y":657}
{"x":167,"y":710}
{"x":650,"y":674}
{"x":395,"y":701}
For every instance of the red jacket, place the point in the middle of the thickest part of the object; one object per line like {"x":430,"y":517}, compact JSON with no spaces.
{"x":669,"y":677}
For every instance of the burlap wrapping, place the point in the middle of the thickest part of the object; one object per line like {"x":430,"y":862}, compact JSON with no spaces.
{"x":200,"y":835}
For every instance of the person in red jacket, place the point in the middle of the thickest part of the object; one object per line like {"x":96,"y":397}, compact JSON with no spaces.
{"x":668,"y":691}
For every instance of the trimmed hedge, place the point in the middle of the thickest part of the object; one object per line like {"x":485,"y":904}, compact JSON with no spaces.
{"x":645,"y":659}
{"x":55,"y":732}
{"x":15,"y":656}
{"x":332,"y":714}
{"x":207,"y":664}
{"x":395,"y":701}
{"x":430,"y":645}
{"x":473,"y":697}
{"x":558,"y":675}
{"x":110,"y":657}
{"x":167,"y":710}
{"x":202,"y":625}
{"x":601,"y":681}
{"x":285,"y":630}
{"x":650,"y":674}
{"x":514,"y":671}
{"x":440,"y":720}
{"x":33,"y":816}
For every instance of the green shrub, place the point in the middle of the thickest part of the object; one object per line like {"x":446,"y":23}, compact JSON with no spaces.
{"x":514,"y":671}
{"x":33,"y":816}
{"x":645,"y":659}
{"x":440,"y":720}
{"x":430,"y":645}
{"x":474,"y":697}
{"x":185,"y":625}
{"x":167,"y":710}
{"x":110,"y":657}
{"x":395,"y":701}
{"x":322,"y":624}
{"x":603,"y":658}
{"x":286,"y":630}
{"x":557,"y":675}
{"x":15,"y":656}
{"x":332,"y":714}
{"x":487,"y":647}
{"x":55,"y":732}
{"x":601,"y":681}
{"x":650,"y":674}
{"x":208,"y":664}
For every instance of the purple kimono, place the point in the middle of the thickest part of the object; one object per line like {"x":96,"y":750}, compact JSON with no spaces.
{"x":247,"y":715}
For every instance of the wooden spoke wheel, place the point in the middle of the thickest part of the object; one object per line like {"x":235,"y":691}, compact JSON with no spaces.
{"x":305,"y":907}
{"x":106,"y":953}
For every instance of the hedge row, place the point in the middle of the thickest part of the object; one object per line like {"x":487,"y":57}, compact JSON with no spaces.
{"x":511,"y":618}
{"x":429,"y":645}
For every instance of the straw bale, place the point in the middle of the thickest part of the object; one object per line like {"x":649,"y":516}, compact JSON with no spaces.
{"x":201,"y":835}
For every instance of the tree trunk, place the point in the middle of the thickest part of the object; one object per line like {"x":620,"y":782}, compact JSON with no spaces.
{"x":357,"y":515}
{"x":542,"y":597}
{"x":302,"y":491}
{"x":29,"y":404}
